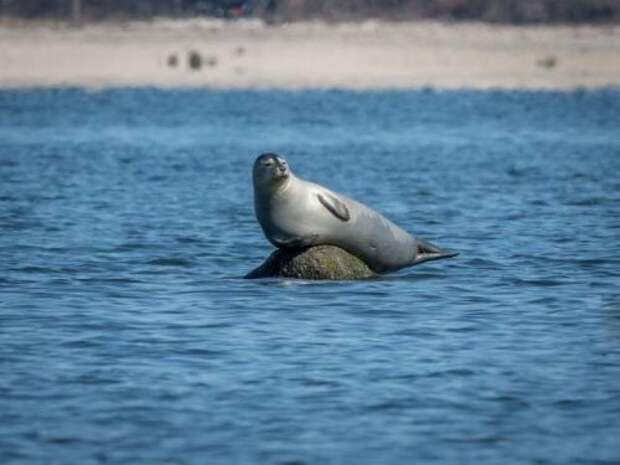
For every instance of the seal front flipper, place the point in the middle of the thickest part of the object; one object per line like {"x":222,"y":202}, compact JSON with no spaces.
{"x":425,"y":252}
{"x":335,"y":206}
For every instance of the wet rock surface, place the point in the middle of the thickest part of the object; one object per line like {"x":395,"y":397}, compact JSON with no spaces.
{"x":323,"y":262}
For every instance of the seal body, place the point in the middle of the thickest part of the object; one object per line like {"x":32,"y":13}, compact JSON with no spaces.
{"x":294,"y":213}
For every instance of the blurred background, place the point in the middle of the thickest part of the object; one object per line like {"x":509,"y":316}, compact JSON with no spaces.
{"x":510,"y":11}
{"x":128,"y":130}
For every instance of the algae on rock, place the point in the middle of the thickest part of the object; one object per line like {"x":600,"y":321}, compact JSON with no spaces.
{"x":322,"y":262}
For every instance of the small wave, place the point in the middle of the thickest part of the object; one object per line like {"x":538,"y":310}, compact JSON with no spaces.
{"x":516,"y":172}
{"x":483,"y":263}
{"x":481,"y":439}
{"x":62,"y":440}
{"x":463,"y":329}
{"x":594,"y":262}
{"x":171,"y":261}
{"x":206,"y":353}
{"x":451,"y":373}
{"x":131,"y":246}
{"x":35,"y":269}
{"x":97,"y":280}
{"x":539,"y":203}
{"x":589,"y":202}
{"x":417,"y":275}
{"x":569,"y":404}
{"x":541,"y":282}
{"x":189,"y":240}
{"x":388,"y":405}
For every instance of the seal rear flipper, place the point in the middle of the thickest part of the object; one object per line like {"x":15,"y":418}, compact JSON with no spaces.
{"x":426,"y":252}
{"x":335,"y":206}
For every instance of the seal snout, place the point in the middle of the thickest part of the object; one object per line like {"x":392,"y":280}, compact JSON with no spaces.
{"x":282,"y":170}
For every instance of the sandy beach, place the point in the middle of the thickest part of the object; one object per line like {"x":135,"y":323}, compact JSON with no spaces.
{"x":250,"y":54}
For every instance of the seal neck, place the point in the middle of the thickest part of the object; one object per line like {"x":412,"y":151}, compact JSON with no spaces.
{"x":283,"y":186}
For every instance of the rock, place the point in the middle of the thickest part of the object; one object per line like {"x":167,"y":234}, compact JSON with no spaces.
{"x":322,"y":262}
{"x":173,"y":60}
{"x":547,"y":62}
{"x":194,"y":60}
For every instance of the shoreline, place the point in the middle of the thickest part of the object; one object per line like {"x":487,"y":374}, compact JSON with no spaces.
{"x":247,"y":54}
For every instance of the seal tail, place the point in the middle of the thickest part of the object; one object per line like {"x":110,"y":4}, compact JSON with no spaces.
{"x":427,"y":252}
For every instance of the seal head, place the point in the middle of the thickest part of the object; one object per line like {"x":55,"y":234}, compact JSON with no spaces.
{"x":270,"y":172}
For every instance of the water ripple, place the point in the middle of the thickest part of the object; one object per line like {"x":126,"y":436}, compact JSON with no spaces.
{"x":129,"y":336}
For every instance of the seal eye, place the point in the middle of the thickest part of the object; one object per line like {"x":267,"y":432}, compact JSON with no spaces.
{"x":268,"y":163}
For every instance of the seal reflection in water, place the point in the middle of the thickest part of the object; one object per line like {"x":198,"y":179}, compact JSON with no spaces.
{"x":294,"y":213}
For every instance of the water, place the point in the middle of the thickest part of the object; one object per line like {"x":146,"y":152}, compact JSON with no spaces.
{"x":128,"y":336}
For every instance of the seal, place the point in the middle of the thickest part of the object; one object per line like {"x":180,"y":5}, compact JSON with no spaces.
{"x":294,"y":213}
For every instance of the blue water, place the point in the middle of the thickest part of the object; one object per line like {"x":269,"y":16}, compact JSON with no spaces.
{"x":128,"y":336}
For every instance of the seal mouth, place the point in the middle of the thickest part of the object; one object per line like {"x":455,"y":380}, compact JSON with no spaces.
{"x":281,"y":173}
